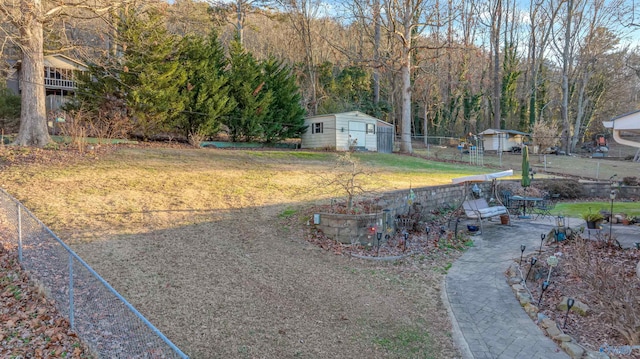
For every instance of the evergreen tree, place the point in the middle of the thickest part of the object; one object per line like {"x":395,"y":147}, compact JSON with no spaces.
{"x":247,"y":87}
{"x":9,"y":104}
{"x":285,"y":118}
{"x":100,"y":93}
{"x":143,"y":83}
{"x":206,"y":91}
{"x":151,"y":72}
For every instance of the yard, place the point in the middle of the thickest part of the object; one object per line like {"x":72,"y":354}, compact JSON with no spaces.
{"x":210,"y":246}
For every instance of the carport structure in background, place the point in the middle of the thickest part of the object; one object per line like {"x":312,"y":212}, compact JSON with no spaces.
{"x":630,"y":123}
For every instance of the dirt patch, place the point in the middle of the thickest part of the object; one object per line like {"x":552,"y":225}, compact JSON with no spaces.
{"x":249,"y":285}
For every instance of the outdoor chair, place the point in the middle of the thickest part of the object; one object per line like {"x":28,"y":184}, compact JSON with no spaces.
{"x":512,"y":206}
{"x":544,"y":207}
{"x":479,"y":209}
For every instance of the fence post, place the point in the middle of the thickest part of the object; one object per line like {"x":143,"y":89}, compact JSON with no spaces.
{"x":71,"y":307}
{"x":19,"y":234}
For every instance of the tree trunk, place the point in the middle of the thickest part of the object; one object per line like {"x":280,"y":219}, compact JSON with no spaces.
{"x":405,"y":139}
{"x":566,"y":61}
{"x":583,"y":102}
{"x":376,"y":52}
{"x":239,"y":22}
{"x":33,"y":117}
{"x":497,"y":84}
{"x":426,"y":125}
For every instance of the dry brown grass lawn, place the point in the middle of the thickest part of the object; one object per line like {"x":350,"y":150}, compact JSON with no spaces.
{"x":197,"y":241}
{"x":579,"y":166}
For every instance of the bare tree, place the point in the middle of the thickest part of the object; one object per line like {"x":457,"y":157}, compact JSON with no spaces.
{"x":189,"y":17}
{"x":28,"y":17}
{"x":544,"y":136}
{"x":348,"y":178}
{"x":302,"y":15}
{"x":541,"y":18}
{"x":406,"y":20}
{"x":241,"y":9}
{"x":578,"y":30}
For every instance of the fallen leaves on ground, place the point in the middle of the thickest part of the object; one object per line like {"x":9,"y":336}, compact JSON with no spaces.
{"x":30,"y":326}
{"x":439,"y":240}
{"x":593,"y":331}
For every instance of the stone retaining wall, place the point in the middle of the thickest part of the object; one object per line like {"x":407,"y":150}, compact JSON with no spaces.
{"x":415,"y":205}
{"x":418,"y":204}
{"x":602,"y":190}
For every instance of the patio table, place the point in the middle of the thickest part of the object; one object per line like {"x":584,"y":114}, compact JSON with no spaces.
{"x":526,"y":202}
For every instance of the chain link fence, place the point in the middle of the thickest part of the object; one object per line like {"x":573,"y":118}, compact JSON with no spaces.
{"x":104,"y":320}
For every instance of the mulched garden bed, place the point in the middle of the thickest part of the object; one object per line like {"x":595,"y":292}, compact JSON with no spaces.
{"x":600,"y":274}
{"x":439,"y":238}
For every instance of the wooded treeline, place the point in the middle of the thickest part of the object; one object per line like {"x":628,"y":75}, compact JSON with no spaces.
{"x":428,"y":66}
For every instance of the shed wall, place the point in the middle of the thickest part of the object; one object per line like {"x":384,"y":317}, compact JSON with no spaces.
{"x":326,"y":139}
{"x":338,"y":127}
{"x":342,"y":138}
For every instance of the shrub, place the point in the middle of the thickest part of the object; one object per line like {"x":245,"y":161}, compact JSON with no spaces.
{"x":544,"y":135}
{"x":9,"y":104}
{"x":609,"y":277}
{"x":592,"y":217}
{"x":630,"y":181}
{"x":567,"y":189}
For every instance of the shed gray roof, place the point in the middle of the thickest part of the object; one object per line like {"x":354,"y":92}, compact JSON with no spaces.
{"x":492,"y":131}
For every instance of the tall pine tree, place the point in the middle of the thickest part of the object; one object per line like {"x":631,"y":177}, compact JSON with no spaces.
{"x":247,"y":86}
{"x":151,"y":72}
{"x":285,"y":118}
{"x":206,"y":90}
{"x":143,"y":82}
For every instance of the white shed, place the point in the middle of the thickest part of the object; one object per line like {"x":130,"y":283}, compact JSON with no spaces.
{"x":342,"y":131}
{"x":505,"y":140}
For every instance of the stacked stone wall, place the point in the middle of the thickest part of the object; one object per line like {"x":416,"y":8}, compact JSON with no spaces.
{"x":418,"y":205}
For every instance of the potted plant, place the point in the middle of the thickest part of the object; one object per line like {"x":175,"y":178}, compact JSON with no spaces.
{"x":593,"y":219}
{"x":627,"y":220}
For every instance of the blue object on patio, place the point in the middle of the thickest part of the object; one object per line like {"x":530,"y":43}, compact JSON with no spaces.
{"x":472,"y":228}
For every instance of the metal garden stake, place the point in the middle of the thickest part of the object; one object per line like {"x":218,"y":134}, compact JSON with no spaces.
{"x":552,"y":261}
{"x":378,"y":237}
{"x":533,"y":262}
{"x":542,"y":237}
{"x":570,"y":303}
{"x":545,"y":285}
{"x":406,"y":241}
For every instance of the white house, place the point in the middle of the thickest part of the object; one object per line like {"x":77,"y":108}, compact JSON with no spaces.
{"x":630,"y":123}
{"x":504,"y":140}
{"x":60,"y":73}
{"x":342,"y":131}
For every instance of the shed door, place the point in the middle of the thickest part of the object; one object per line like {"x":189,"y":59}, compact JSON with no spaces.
{"x":385,"y":139}
{"x":358,"y":133}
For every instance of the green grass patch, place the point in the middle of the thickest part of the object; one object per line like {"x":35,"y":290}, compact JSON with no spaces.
{"x":409,"y":163}
{"x":444,"y":269}
{"x":576,"y":209}
{"x":411,"y":342}
{"x":299,"y":155}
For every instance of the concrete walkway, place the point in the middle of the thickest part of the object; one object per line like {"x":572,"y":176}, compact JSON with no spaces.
{"x":488,"y":321}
